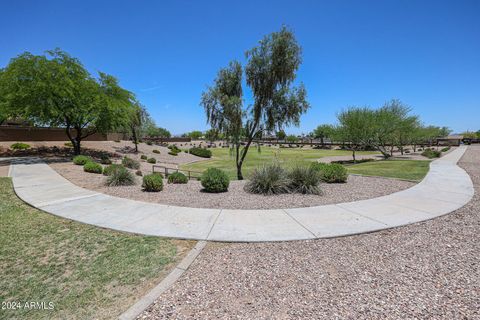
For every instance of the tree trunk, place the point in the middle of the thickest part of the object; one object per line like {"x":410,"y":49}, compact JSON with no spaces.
{"x":135,"y":141}
{"x":321,"y":141}
{"x":353,"y":155}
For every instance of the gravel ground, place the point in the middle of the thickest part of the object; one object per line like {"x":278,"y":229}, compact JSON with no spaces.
{"x":428,"y":270}
{"x":191,"y":195}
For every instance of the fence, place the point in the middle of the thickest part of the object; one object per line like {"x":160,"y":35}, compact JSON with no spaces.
{"x":166,"y":171}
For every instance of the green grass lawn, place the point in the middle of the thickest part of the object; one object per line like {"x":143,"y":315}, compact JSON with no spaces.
{"x":402,"y":169}
{"x":85,"y":271}
{"x":223,"y":160}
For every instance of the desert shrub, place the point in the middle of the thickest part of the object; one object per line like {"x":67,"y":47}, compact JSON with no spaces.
{"x":152,"y":160}
{"x":105,"y":159}
{"x":130,"y":163}
{"x":20,"y":146}
{"x":173,"y":147}
{"x":156,"y":151}
{"x":108,"y":170}
{"x":149,"y":143}
{"x":331,"y":172}
{"x":304,"y":179}
{"x":68,"y":144}
{"x":268,"y":179}
{"x":120,"y":176}
{"x":177,"y":178}
{"x":152,"y":183}
{"x":143,"y":157}
{"x":92,"y":167}
{"x":215,"y":180}
{"x":81,"y":160}
{"x":429,"y":153}
{"x":445,"y":149}
{"x":139,"y":173}
{"x":173,"y":153}
{"x":200,"y":152}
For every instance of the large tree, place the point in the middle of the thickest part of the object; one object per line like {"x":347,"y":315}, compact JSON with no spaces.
{"x":56,"y":90}
{"x":323,"y":131}
{"x":270,"y":71}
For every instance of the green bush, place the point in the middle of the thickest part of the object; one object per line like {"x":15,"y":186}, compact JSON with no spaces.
{"x":430,"y":154}
{"x":68,"y":144}
{"x":173,"y":153}
{"x":20,"y":146}
{"x":177,"y":178}
{"x":304,"y":179}
{"x":120,"y":176}
{"x":200,"y":152}
{"x":130,"y":163}
{"x":268,"y":179}
{"x":108,"y":170}
{"x":149,"y":143}
{"x":174,"y":148}
{"x":331,"y":172}
{"x":152,"y":160}
{"x":143,"y":157}
{"x":152,"y":183}
{"x":215,"y":180}
{"x":445,"y":149}
{"x":92,"y":167}
{"x":105,"y":159}
{"x":156,"y":151}
{"x":81,"y":160}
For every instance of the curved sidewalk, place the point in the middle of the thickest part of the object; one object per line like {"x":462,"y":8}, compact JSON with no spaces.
{"x":446,"y":188}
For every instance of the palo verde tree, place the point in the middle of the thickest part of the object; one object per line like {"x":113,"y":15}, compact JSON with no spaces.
{"x":323,"y":131}
{"x":270,"y":71}
{"x":56,"y":90}
{"x":356,"y":127}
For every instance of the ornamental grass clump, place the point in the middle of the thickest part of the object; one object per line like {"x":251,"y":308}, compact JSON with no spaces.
{"x":81,"y":160}
{"x":108,"y":170}
{"x":130,"y":163}
{"x":152,"y":160}
{"x":177,"y":178}
{"x":20,"y":146}
{"x":268,"y":179}
{"x":93,"y":167}
{"x":215,"y":180}
{"x":120,"y":176}
{"x":331,"y":172}
{"x":304,"y":179}
{"x":152,"y":183}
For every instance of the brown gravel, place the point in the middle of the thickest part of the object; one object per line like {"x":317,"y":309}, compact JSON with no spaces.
{"x":191,"y":195}
{"x":428,"y":270}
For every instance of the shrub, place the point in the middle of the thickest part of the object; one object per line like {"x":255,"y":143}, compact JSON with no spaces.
{"x":130,"y":163}
{"x":215,"y":180}
{"x":445,"y":149}
{"x":152,"y":183}
{"x":120,"y":176}
{"x":92,"y":167}
{"x":200,"y":152}
{"x":81,"y":160}
{"x":156,"y":151}
{"x":173,"y":147}
{"x":108,"y":170}
{"x":152,"y":160}
{"x":68,"y":144}
{"x":304,"y":179}
{"x":143,"y":157}
{"x":139,"y":173}
{"x":177,"y":178}
{"x":20,"y":146}
{"x":105,"y":159}
{"x":429,"y":153}
{"x":331,"y":172}
{"x":149,"y":143}
{"x":173,"y":153}
{"x":268,"y":179}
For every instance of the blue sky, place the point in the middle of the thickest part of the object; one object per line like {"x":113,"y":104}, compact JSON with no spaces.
{"x":425,"y":53}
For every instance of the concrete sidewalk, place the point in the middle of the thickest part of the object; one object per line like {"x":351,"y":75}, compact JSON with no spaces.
{"x":445,"y":189}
